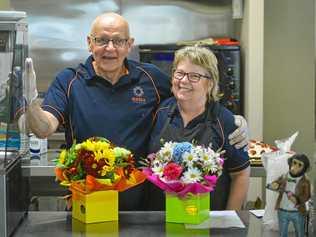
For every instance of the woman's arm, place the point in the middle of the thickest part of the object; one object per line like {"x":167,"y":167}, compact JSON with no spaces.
{"x":238,"y":189}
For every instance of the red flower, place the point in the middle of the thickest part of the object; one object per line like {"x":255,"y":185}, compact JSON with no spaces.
{"x":172,"y":171}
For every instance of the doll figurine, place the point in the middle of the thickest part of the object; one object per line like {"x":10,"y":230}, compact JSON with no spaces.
{"x":294,"y":191}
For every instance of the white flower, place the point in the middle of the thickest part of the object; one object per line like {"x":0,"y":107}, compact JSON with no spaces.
{"x":189,"y":158}
{"x":199,"y":151}
{"x":157,"y":168}
{"x":213,"y":168}
{"x":165,"y":153}
{"x":209,"y":157}
{"x":169,"y":145}
{"x":192,"y":175}
{"x":206,"y":160}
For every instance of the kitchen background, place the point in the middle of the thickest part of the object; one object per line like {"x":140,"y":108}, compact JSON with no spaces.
{"x":277,"y":44}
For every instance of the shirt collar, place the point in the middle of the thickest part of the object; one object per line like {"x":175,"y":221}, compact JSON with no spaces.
{"x":210,"y":113}
{"x":131,"y":73}
{"x":134,"y":74}
{"x":90,"y":73}
{"x":178,"y":119}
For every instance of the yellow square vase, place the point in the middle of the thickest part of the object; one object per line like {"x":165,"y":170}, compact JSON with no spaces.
{"x":104,"y":229}
{"x":95,"y":207}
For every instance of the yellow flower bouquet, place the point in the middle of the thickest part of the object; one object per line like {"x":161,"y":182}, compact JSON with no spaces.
{"x":96,"y":169}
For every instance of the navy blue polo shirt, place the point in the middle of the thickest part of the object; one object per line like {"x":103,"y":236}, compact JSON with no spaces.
{"x":222,"y":125}
{"x":88,"y":105}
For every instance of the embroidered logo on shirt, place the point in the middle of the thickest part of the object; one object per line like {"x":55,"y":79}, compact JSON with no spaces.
{"x":138,"y":95}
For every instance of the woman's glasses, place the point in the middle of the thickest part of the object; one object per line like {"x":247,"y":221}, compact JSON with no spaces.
{"x":192,"y":76}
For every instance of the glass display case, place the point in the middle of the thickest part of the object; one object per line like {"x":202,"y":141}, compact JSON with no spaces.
{"x":13,"y":185}
{"x":13,"y":51}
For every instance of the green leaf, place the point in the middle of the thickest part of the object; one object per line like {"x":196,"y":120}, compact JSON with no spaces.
{"x":62,"y":166}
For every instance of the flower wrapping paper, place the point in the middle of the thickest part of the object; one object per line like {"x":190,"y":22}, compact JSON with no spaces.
{"x":182,"y":189}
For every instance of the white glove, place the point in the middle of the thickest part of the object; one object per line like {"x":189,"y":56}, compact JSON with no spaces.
{"x":30,"y":81}
{"x":239,"y":138}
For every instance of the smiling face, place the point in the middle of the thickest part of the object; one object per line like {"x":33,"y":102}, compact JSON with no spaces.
{"x":185,"y":90}
{"x":109,"y":59}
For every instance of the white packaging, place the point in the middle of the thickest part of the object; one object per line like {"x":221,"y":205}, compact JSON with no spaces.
{"x":275,"y":164}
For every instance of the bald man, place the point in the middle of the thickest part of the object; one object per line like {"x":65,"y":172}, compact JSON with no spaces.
{"x":108,"y":96}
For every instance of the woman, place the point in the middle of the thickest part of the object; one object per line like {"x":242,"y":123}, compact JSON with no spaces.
{"x":194,"y":114}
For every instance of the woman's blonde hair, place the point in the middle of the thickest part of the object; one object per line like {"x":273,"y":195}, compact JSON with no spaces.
{"x":204,"y":58}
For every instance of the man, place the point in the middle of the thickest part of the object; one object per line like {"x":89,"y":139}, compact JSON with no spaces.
{"x":107,"y":96}
{"x":294,"y":191}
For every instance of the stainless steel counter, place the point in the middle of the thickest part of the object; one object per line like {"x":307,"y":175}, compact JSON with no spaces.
{"x":130,"y":224}
{"x":42,"y":175}
{"x":43,"y":166}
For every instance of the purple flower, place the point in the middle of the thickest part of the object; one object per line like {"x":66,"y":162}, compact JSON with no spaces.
{"x":151,"y":156}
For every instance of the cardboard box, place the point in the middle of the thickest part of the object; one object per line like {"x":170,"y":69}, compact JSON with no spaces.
{"x":95,"y":207}
{"x":192,"y":209}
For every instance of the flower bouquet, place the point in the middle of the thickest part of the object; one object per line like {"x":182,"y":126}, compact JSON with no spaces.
{"x":95,"y":171}
{"x":187,"y":173}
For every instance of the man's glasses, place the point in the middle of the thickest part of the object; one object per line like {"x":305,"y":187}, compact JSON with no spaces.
{"x":192,"y":76}
{"x":117,"y":43}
